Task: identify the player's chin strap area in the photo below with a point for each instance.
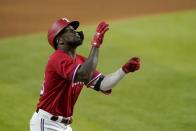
(45, 115)
(109, 81)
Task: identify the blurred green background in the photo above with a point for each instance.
(159, 97)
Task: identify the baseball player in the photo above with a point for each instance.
(67, 72)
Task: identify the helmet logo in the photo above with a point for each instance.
(65, 19)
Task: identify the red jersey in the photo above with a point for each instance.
(59, 91)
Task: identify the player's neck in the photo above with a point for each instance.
(70, 51)
(72, 54)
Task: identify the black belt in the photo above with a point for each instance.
(65, 121)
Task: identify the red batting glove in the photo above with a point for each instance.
(99, 35)
(132, 65)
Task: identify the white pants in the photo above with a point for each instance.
(38, 123)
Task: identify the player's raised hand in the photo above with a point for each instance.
(99, 35)
(132, 65)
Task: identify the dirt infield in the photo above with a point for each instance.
(19, 17)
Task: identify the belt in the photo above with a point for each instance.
(65, 121)
(61, 119)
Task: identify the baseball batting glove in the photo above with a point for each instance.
(99, 35)
(132, 65)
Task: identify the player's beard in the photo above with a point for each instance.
(76, 40)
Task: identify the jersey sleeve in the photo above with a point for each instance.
(96, 75)
(65, 67)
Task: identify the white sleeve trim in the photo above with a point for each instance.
(75, 74)
(93, 79)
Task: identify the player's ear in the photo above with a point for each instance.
(59, 40)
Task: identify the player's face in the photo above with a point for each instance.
(71, 36)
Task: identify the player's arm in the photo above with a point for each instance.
(106, 83)
(86, 69)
